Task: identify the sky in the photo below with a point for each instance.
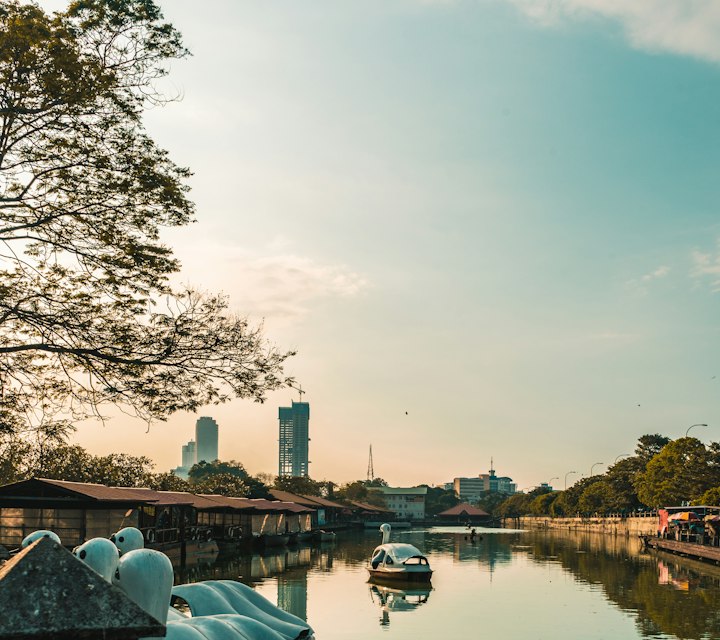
(488, 227)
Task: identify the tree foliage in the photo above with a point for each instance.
(217, 477)
(73, 463)
(683, 470)
(650, 445)
(299, 485)
(88, 316)
(438, 500)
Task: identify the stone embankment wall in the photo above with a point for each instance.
(611, 524)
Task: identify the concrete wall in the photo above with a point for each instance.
(610, 525)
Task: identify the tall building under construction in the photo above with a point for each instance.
(294, 440)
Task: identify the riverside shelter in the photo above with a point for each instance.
(76, 511)
(463, 513)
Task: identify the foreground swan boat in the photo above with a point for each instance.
(398, 561)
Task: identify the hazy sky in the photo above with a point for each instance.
(498, 216)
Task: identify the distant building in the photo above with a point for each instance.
(204, 447)
(294, 440)
(188, 455)
(206, 439)
(472, 489)
(406, 504)
(497, 484)
(468, 489)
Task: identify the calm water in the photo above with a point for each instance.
(509, 584)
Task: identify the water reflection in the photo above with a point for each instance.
(394, 599)
(605, 582)
(667, 594)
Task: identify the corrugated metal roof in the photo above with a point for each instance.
(325, 502)
(286, 496)
(294, 507)
(95, 491)
(242, 504)
(158, 498)
(369, 507)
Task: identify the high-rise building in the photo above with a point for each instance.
(206, 439)
(294, 440)
(204, 447)
(189, 455)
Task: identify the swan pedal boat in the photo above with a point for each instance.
(399, 562)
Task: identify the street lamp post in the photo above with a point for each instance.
(622, 455)
(566, 475)
(699, 424)
(593, 466)
(551, 479)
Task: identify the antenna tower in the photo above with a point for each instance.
(371, 471)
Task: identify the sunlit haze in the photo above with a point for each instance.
(489, 228)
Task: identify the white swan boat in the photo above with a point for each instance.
(398, 561)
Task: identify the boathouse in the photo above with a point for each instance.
(76, 511)
(325, 511)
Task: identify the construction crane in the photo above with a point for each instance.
(299, 389)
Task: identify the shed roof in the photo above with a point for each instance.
(369, 507)
(241, 504)
(49, 488)
(286, 496)
(464, 509)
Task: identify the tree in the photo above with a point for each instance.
(438, 500)
(359, 492)
(224, 484)
(542, 504)
(298, 485)
(621, 495)
(683, 470)
(490, 501)
(88, 317)
(710, 497)
(203, 469)
(567, 503)
(168, 482)
(516, 505)
(650, 445)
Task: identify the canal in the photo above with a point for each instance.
(532, 584)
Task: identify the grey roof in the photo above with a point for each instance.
(48, 594)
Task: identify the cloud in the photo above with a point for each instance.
(686, 27)
(660, 272)
(707, 266)
(272, 282)
(640, 284)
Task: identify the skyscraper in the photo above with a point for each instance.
(206, 439)
(188, 455)
(294, 439)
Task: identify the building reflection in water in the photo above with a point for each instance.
(292, 594)
(393, 599)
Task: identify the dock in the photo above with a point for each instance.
(704, 552)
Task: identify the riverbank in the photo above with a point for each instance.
(612, 525)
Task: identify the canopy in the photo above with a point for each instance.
(685, 516)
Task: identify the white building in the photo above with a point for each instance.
(406, 504)
(469, 489)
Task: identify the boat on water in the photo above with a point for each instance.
(398, 561)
